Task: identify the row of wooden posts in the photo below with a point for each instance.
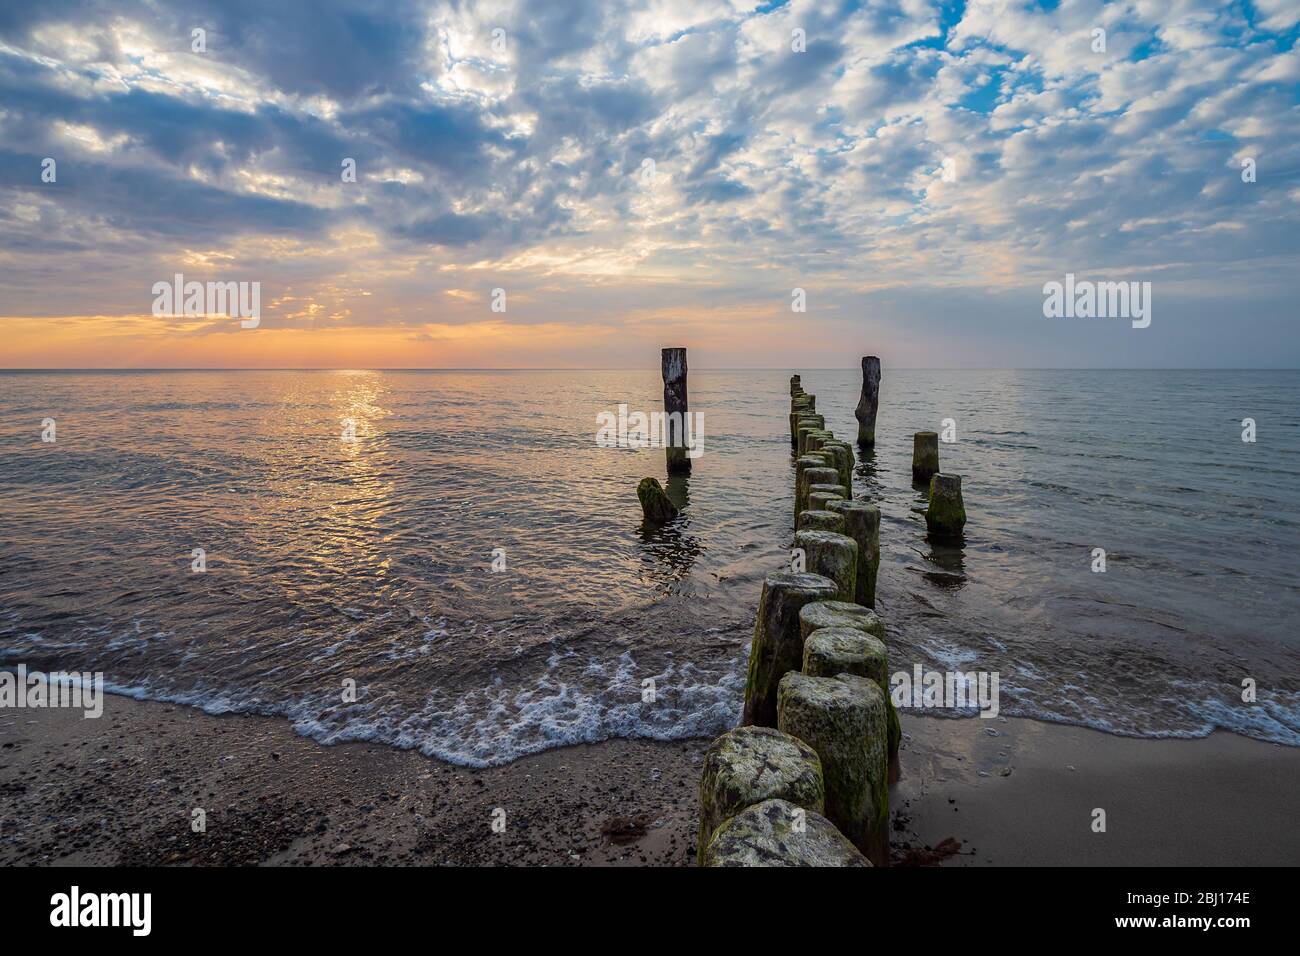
(805, 779)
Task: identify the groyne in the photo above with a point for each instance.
(804, 781)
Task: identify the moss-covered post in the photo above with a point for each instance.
(655, 503)
(819, 496)
(819, 521)
(675, 404)
(777, 646)
(828, 651)
(801, 405)
(816, 475)
(807, 425)
(766, 835)
(862, 524)
(869, 403)
(748, 765)
(844, 461)
(831, 555)
(839, 614)
(795, 386)
(844, 719)
(945, 516)
(802, 464)
(925, 455)
(795, 415)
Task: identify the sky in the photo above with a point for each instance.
(636, 175)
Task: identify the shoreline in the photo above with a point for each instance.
(121, 790)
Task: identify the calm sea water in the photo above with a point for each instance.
(369, 561)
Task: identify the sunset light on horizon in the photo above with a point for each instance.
(626, 175)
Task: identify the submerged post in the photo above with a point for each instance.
(869, 403)
(655, 503)
(945, 516)
(925, 455)
(674, 369)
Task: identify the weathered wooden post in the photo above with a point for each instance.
(819, 496)
(748, 765)
(674, 369)
(833, 556)
(925, 455)
(844, 719)
(778, 645)
(844, 461)
(819, 521)
(655, 503)
(839, 614)
(766, 835)
(807, 477)
(945, 516)
(869, 403)
(862, 524)
(808, 425)
(829, 651)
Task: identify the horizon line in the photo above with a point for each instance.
(640, 368)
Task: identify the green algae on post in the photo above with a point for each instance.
(814, 617)
(777, 645)
(862, 524)
(655, 504)
(945, 516)
(844, 719)
(777, 833)
(748, 765)
(831, 555)
(819, 475)
(819, 496)
(828, 651)
(819, 521)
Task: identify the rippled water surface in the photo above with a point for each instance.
(370, 560)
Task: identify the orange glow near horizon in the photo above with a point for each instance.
(741, 333)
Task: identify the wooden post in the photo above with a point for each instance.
(925, 455)
(844, 719)
(869, 403)
(945, 516)
(778, 646)
(674, 369)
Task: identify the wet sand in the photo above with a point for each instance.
(122, 790)
(1027, 796)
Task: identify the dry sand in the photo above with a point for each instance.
(122, 789)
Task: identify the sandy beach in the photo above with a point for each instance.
(122, 789)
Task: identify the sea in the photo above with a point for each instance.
(450, 561)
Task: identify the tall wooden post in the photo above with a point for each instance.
(869, 403)
(674, 369)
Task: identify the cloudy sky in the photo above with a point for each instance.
(650, 173)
